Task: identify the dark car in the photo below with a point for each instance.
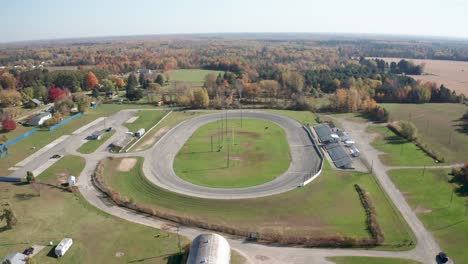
(109, 129)
(56, 156)
(28, 251)
(442, 257)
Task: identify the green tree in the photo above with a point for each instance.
(82, 102)
(141, 79)
(40, 92)
(29, 177)
(107, 86)
(159, 79)
(67, 79)
(408, 130)
(132, 81)
(27, 93)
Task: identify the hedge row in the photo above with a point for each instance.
(278, 239)
(372, 225)
(430, 152)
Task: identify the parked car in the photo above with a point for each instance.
(56, 156)
(28, 251)
(442, 257)
(109, 129)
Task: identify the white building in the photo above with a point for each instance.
(40, 119)
(15, 258)
(71, 181)
(140, 132)
(209, 249)
(63, 247)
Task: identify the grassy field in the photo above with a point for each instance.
(430, 194)
(24, 148)
(370, 260)
(439, 127)
(303, 117)
(146, 119)
(453, 74)
(253, 160)
(309, 211)
(92, 145)
(398, 150)
(194, 76)
(97, 236)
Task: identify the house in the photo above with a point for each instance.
(39, 119)
(144, 71)
(97, 135)
(15, 258)
(33, 103)
(63, 247)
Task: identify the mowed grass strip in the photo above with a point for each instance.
(146, 119)
(97, 236)
(303, 117)
(328, 206)
(196, 76)
(92, 145)
(371, 260)
(24, 148)
(430, 195)
(398, 150)
(258, 153)
(439, 126)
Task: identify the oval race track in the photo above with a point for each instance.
(158, 164)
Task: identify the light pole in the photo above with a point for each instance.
(228, 149)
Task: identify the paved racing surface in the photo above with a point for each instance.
(158, 165)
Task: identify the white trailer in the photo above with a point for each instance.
(63, 247)
(140, 132)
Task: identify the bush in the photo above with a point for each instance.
(372, 224)
(8, 124)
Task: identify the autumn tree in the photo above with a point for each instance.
(296, 82)
(54, 93)
(82, 102)
(8, 124)
(10, 97)
(90, 81)
(63, 104)
(200, 98)
(119, 83)
(9, 216)
(408, 130)
(270, 87)
(7, 81)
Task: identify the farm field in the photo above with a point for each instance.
(439, 126)
(370, 260)
(398, 151)
(23, 148)
(92, 145)
(146, 119)
(193, 76)
(253, 159)
(309, 211)
(453, 74)
(98, 237)
(430, 195)
(303, 117)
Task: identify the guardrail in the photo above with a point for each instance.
(313, 175)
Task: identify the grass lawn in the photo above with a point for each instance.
(162, 128)
(253, 158)
(57, 214)
(370, 260)
(146, 119)
(439, 127)
(92, 145)
(23, 148)
(398, 150)
(194, 76)
(310, 211)
(430, 194)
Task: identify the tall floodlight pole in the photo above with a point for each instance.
(241, 115)
(211, 143)
(222, 130)
(228, 149)
(226, 123)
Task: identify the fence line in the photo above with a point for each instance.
(16, 139)
(317, 149)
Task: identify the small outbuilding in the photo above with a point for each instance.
(33, 103)
(140, 132)
(209, 249)
(63, 247)
(15, 258)
(71, 181)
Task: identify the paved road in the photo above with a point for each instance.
(158, 165)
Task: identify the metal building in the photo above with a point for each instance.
(209, 249)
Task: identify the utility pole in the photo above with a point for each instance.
(178, 240)
(228, 149)
(372, 167)
(241, 116)
(226, 123)
(222, 131)
(211, 143)
(424, 170)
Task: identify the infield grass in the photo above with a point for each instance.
(327, 206)
(97, 236)
(146, 119)
(430, 195)
(92, 145)
(250, 155)
(194, 76)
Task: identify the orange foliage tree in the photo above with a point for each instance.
(90, 81)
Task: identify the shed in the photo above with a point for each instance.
(15, 258)
(71, 181)
(209, 249)
(39, 119)
(35, 103)
(63, 247)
